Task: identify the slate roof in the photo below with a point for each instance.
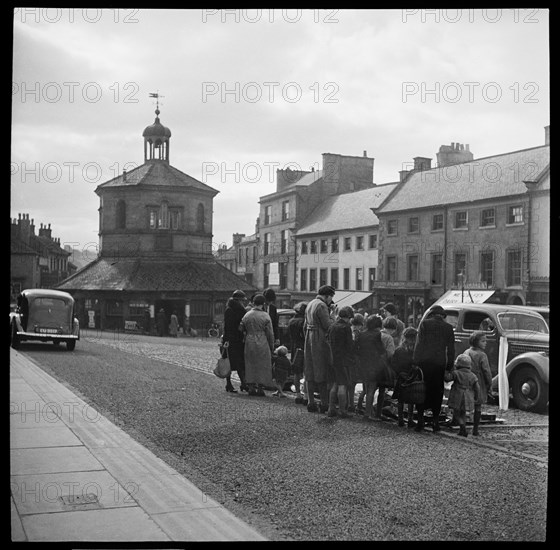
(136, 274)
(157, 173)
(346, 211)
(480, 179)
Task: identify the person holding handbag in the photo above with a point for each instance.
(232, 338)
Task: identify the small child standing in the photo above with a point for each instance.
(464, 391)
(401, 363)
(281, 367)
(481, 368)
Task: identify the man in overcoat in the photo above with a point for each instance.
(434, 353)
(318, 355)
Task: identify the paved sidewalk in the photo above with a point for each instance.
(75, 476)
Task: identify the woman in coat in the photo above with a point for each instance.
(232, 339)
(373, 356)
(297, 340)
(259, 345)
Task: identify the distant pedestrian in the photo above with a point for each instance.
(147, 319)
(259, 344)
(232, 338)
(390, 311)
(434, 353)
(297, 345)
(281, 368)
(161, 322)
(401, 363)
(465, 391)
(338, 375)
(480, 368)
(318, 355)
(173, 325)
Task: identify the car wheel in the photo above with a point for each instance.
(529, 391)
(15, 338)
(70, 345)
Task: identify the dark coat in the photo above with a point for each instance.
(370, 350)
(233, 314)
(465, 391)
(272, 310)
(435, 344)
(342, 343)
(297, 336)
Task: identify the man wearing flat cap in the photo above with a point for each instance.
(434, 353)
(318, 355)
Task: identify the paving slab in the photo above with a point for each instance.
(59, 436)
(52, 460)
(48, 493)
(109, 525)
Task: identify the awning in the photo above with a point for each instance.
(466, 296)
(346, 298)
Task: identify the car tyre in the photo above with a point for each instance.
(15, 340)
(71, 345)
(530, 392)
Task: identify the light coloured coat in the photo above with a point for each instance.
(259, 344)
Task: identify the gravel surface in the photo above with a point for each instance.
(297, 475)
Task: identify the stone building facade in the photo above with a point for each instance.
(155, 249)
(36, 260)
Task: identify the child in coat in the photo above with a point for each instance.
(401, 363)
(464, 391)
(281, 367)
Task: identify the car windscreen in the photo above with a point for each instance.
(521, 321)
(49, 312)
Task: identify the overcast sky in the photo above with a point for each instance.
(248, 91)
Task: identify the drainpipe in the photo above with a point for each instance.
(445, 249)
(528, 253)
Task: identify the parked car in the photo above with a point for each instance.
(284, 316)
(544, 311)
(527, 333)
(45, 315)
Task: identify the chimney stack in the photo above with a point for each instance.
(422, 163)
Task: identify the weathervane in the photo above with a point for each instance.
(157, 95)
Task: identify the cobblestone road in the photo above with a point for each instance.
(515, 431)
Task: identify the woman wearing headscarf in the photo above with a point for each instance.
(232, 339)
(259, 345)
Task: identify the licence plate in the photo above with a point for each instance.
(48, 330)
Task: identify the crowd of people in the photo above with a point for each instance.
(332, 350)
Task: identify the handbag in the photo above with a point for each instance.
(223, 366)
(413, 390)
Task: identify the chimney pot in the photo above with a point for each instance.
(365, 153)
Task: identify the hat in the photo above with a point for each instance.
(269, 294)
(326, 290)
(463, 360)
(390, 308)
(346, 312)
(239, 294)
(259, 299)
(437, 310)
(300, 307)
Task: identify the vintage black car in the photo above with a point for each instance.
(44, 315)
(527, 334)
